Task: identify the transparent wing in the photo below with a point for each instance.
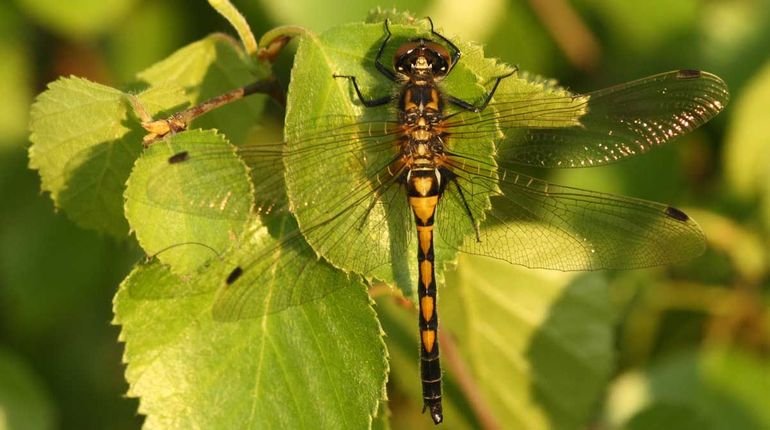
(363, 220)
(571, 130)
(343, 179)
(542, 225)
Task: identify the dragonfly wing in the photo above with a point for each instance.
(559, 129)
(344, 185)
(542, 225)
(272, 268)
(351, 213)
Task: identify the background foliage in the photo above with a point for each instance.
(687, 346)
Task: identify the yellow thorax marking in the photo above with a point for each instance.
(408, 104)
(433, 103)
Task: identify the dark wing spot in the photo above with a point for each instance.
(178, 157)
(234, 275)
(676, 214)
(688, 74)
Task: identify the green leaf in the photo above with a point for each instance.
(24, 402)
(78, 18)
(187, 212)
(236, 19)
(715, 390)
(540, 343)
(319, 365)
(83, 145)
(86, 136)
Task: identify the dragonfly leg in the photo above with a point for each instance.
(469, 106)
(466, 206)
(366, 102)
(455, 50)
(378, 61)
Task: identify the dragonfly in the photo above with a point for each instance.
(421, 173)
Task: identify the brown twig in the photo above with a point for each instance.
(181, 120)
(570, 33)
(462, 374)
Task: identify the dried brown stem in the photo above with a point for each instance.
(181, 120)
(570, 33)
(462, 374)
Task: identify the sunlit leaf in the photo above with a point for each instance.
(84, 142)
(540, 344)
(188, 212)
(318, 365)
(86, 136)
(747, 154)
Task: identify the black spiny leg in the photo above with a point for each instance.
(378, 61)
(451, 177)
(467, 106)
(455, 55)
(370, 102)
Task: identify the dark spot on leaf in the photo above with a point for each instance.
(234, 275)
(676, 214)
(178, 157)
(688, 74)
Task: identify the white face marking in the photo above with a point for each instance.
(421, 63)
(438, 178)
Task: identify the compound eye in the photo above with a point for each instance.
(403, 59)
(439, 59)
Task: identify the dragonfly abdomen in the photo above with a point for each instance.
(424, 190)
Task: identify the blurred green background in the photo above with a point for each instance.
(60, 363)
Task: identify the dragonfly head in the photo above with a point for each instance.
(422, 58)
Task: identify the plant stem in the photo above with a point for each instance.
(232, 15)
(181, 120)
(462, 374)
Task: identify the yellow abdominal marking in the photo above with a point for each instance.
(425, 273)
(428, 339)
(426, 304)
(422, 185)
(423, 207)
(424, 235)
